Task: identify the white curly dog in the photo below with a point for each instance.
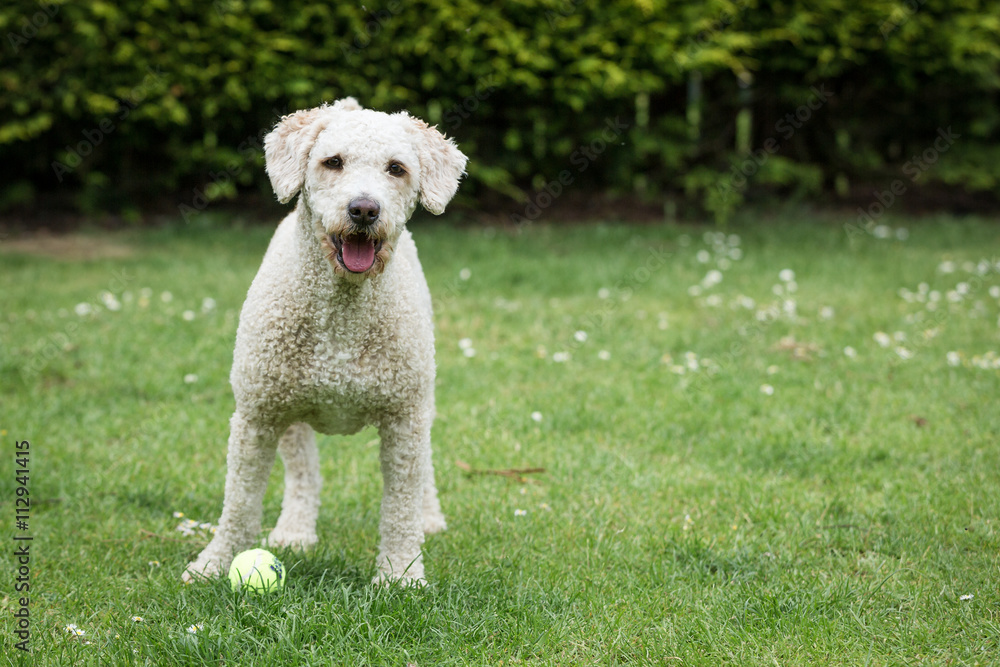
(336, 332)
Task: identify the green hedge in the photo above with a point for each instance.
(104, 104)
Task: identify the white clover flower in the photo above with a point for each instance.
(691, 360)
(826, 313)
(904, 353)
(954, 358)
(777, 290)
(207, 304)
(786, 275)
(713, 300)
(604, 355)
(767, 390)
(962, 288)
(166, 297)
(882, 339)
(469, 352)
(995, 291)
(110, 301)
(560, 357)
(850, 352)
(603, 293)
(146, 292)
(953, 296)
(946, 267)
(465, 274)
(882, 231)
(703, 256)
(711, 279)
(899, 336)
(465, 343)
(536, 416)
(83, 309)
(188, 315)
(735, 254)
(694, 290)
(792, 286)
(580, 336)
(190, 378)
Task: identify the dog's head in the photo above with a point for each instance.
(360, 174)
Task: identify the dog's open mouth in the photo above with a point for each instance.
(356, 252)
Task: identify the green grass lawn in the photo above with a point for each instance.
(768, 444)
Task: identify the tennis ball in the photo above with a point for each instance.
(258, 571)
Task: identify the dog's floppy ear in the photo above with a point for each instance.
(441, 167)
(286, 149)
(287, 146)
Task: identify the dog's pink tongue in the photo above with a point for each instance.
(358, 253)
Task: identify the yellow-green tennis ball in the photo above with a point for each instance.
(257, 571)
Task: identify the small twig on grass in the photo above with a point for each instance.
(512, 473)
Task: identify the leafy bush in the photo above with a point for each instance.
(106, 103)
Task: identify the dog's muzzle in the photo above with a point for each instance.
(357, 249)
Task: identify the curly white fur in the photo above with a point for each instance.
(327, 347)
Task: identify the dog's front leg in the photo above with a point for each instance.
(402, 457)
(252, 446)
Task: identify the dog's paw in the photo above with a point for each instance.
(202, 569)
(410, 574)
(299, 540)
(383, 580)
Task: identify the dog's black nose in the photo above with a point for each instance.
(363, 211)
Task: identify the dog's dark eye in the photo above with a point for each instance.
(334, 162)
(396, 169)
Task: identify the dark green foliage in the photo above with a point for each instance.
(661, 98)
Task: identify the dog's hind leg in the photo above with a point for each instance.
(296, 525)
